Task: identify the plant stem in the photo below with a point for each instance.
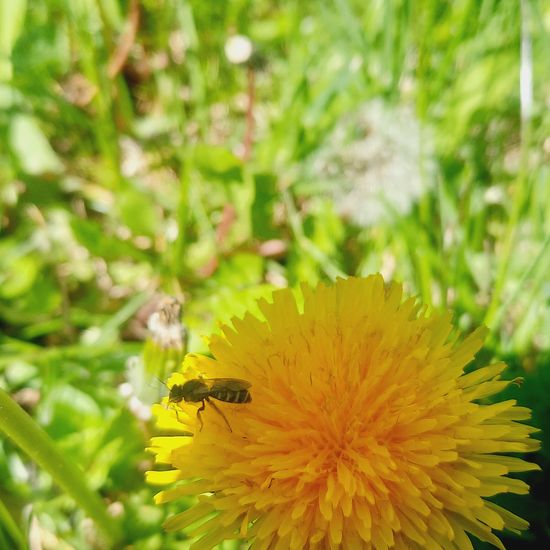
(331, 270)
(35, 442)
(11, 528)
(521, 190)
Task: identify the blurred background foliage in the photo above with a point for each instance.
(142, 155)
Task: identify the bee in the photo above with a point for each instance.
(228, 390)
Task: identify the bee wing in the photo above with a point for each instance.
(230, 384)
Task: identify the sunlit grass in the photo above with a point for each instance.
(137, 160)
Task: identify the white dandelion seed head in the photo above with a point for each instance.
(377, 162)
(238, 49)
(165, 325)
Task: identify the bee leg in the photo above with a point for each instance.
(199, 410)
(215, 407)
(174, 407)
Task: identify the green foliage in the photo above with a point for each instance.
(402, 137)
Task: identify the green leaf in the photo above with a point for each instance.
(265, 197)
(18, 277)
(6, 520)
(16, 424)
(100, 243)
(218, 162)
(12, 17)
(67, 410)
(139, 212)
(20, 372)
(240, 271)
(32, 148)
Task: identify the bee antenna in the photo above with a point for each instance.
(162, 382)
(150, 383)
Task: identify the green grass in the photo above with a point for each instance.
(115, 187)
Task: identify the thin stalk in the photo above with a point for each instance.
(11, 528)
(182, 213)
(92, 65)
(424, 272)
(250, 123)
(35, 442)
(41, 355)
(521, 191)
(426, 218)
(506, 251)
(331, 270)
(530, 274)
(444, 253)
(537, 275)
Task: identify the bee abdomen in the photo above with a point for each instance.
(240, 396)
(244, 397)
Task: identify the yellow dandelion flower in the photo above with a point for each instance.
(363, 430)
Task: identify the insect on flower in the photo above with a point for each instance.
(228, 390)
(418, 453)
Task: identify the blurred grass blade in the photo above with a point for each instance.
(34, 441)
(522, 189)
(533, 278)
(26, 135)
(11, 528)
(526, 64)
(332, 271)
(12, 16)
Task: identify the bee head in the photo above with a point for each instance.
(193, 390)
(176, 393)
